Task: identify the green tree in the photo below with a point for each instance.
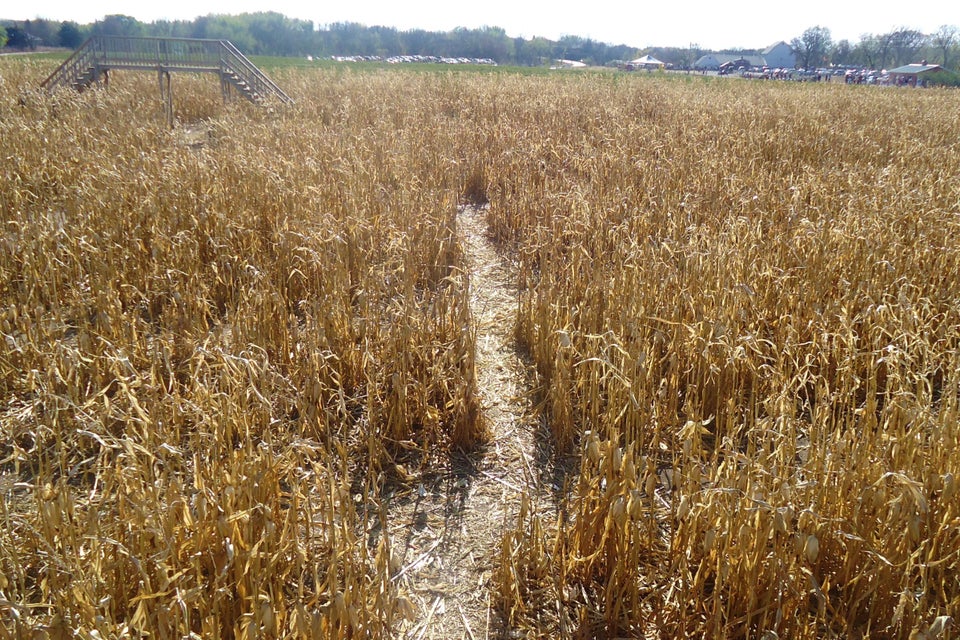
(418, 42)
(812, 47)
(3, 37)
(117, 25)
(276, 34)
(350, 39)
(46, 30)
(571, 48)
(494, 43)
(390, 43)
(842, 52)
(945, 40)
(69, 35)
(869, 52)
(684, 57)
(904, 45)
(222, 27)
(942, 78)
(170, 29)
(532, 52)
(19, 38)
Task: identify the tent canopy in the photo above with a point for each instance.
(646, 61)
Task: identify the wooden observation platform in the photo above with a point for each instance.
(99, 55)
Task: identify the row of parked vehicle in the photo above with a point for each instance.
(414, 59)
(848, 75)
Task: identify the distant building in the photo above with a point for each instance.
(714, 61)
(912, 74)
(777, 56)
(568, 64)
(780, 55)
(647, 62)
(708, 62)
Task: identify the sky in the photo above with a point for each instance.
(711, 24)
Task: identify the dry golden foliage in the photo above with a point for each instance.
(217, 342)
(741, 299)
(750, 292)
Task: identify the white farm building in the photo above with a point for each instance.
(713, 61)
(780, 56)
(777, 56)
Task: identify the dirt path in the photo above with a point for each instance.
(458, 520)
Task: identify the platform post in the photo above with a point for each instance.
(166, 94)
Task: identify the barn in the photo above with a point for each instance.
(714, 61)
(780, 55)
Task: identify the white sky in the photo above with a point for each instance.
(713, 24)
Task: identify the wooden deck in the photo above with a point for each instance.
(92, 62)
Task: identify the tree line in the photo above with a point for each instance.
(816, 48)
(271, 33)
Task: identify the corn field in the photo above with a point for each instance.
(225, 342)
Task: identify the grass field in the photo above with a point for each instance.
(226, 344)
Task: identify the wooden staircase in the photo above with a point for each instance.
(99, 55)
